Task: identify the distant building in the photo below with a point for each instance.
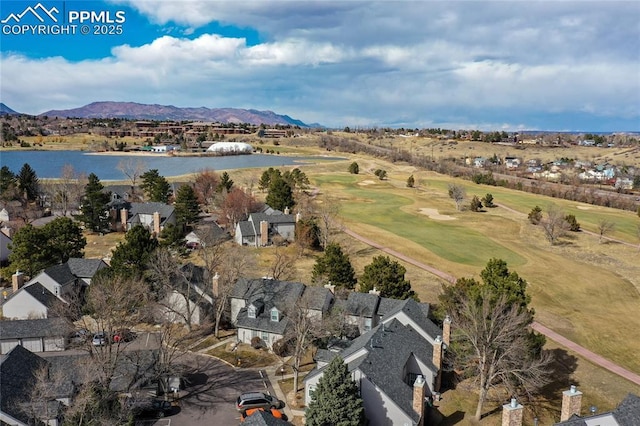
(230, 148)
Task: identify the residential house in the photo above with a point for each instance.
(261, 228)
(361, 310)
(191, 299)
(5, 241)
(396, 365)
(36, 335)
(68, 280)
(19, 370)
(153, 216)
(512, 162)
(30, 302)
(205, 233)
(259, 307)
(627, 413)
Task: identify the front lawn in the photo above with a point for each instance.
(245, 356)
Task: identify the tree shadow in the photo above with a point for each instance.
(561, 373)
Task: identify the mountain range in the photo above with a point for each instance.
(137, 111)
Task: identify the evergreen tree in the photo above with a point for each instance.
(65, 239)
(354, 168)
(488, 201)
(28, 182)
(411, 182)
(94, 207)
(267, 177)
(155, 187)
(308, 233)
(535, 215)
(130, 256)
(336, 401)
(29, 250)
(7, 179)
(186, 206)
(334, 266)
(386, 276)
(475, 205)
(296, 178)
(225, 183)
(280, 194)
(574, 225)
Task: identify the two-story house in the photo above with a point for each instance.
(260, 229)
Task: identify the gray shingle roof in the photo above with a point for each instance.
(627, 413)
(30, 328)
(246, 229)
(262, 322)
(418, 312)
(362, 304)
(317, 298)
(85, 268)
(61, 274)
(272, 218)
(41, 294)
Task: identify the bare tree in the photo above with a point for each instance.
(327, 210)
(283, 266)
(179, 288)
(66, 192)
(457, 193)
(40, 403)
(554, 225)
(604, 227)
(495, 345)
(132, 169)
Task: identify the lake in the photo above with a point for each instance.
(49, 164)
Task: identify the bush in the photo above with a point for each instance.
(257, 343)
(382, 174)
(488, 201)
(411, 182)
(281, 347)
(475, 204)
(535, 215)
(574, 226)
(354, 169)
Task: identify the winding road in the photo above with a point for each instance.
(580, 350)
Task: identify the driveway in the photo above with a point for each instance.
(210, 393)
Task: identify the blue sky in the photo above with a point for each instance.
(550, 65)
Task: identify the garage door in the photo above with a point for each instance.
(34, 345)
(7, 345)
(53, 344)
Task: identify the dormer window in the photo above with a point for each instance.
(275, 315)
(251, 311)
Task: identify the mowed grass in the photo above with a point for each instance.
(588, 292)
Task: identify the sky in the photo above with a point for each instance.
(503, 65)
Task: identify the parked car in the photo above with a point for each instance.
(257, 400)
(123, 335)
(276, 414)
(99, 339)
(79, 337)
(153, 408)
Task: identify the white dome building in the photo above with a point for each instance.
(227, 148)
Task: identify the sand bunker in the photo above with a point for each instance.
(433, 214)
(583, 208)
(367, 182)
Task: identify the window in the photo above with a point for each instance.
(251, 311)
(275, 315)
(367, 324)
(264, 336)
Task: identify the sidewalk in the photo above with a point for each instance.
(273, 378)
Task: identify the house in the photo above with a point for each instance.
(30, 302)
(397, 364)
(360, 310)
(260, 229)
(153, 216)
(36, 335)
(627, 413)
(259, 307)
(19, 369)
(68, 280)
(512, 162)
(191, 299)
(208, 233)
(5, 241)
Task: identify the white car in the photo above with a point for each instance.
(99, 339)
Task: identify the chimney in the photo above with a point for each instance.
(156, 223)
(298, 217)
(437, 361)
(286, 210)
(124, 217)
(17, 280)
(264, 232)
(446, 330)
(512, 413)
(418, 398)
(571, 403)
(215, 281)
(331, 287)
(374, 291)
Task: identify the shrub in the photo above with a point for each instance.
(411, 182)
(535, 215)
(476, 204)
(488, 201)
(257, 343)
(281, 347)
(354, 169)
(574, 226)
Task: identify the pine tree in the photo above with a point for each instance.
(94, 207)
(186, 206)
(155, 187)
(336, 400)
(411, 181)
(280, 194)
(28, 182)
(354, 168)
(386, 276)
(335, 267)
(225, 183)
(130, 256)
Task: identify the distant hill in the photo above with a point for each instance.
(136, 111)
(6, 110)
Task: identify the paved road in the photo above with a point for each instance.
(591, 356)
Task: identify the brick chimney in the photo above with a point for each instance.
(512, 413)
(571, 403)
(437, 361)
(331, 287)
(374, 291)
(286, 210)
(446, 330)
(17, 280)
(298, 217)
(156, 223)
(215, 281)
(264, 233)
(124, 217)
(418, 398)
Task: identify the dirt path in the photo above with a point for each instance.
(580, 350)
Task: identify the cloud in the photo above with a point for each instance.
(366, 63)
